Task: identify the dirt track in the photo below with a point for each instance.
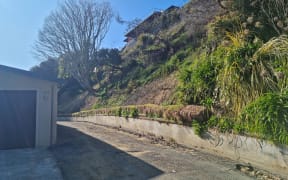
(89, 151)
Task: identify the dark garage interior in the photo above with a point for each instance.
(18, 119)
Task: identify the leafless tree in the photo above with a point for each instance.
(73, 33)
(130, 24)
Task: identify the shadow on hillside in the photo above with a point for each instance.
(80, 156)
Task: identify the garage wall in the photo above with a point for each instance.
(46, 105)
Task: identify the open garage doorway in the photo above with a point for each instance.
(17, 119)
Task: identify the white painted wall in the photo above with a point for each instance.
(46, 103)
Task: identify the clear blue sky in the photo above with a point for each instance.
(20, 21)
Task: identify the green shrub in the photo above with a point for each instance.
(198, 81)
(173, 64)
(247, 71)
(213, 121)
(134, 112)
(119, 112)
(208, 103)
(197, 128)
(267, 117)
(125, 113)
(218, 28)
(223, 124)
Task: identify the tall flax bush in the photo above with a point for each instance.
(275, 52)
(249, 70)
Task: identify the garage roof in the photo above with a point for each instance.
(25, 73)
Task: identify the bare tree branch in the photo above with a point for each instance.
(74, 32)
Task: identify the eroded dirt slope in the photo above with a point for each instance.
(156, 92)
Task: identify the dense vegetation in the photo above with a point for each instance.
(244, 78)
(236, 65)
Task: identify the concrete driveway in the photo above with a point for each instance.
(28, 164)
(88, 151)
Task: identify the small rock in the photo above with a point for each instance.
(252, 173)
(244, 168)
(173, 171)
(259, 173)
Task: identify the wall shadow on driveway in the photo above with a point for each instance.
(81, 156)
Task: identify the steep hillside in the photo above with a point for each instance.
(155, 51)
(233, 61)
(174, 29)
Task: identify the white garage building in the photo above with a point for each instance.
(28, 109)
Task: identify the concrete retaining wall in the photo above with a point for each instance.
(259, 153)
